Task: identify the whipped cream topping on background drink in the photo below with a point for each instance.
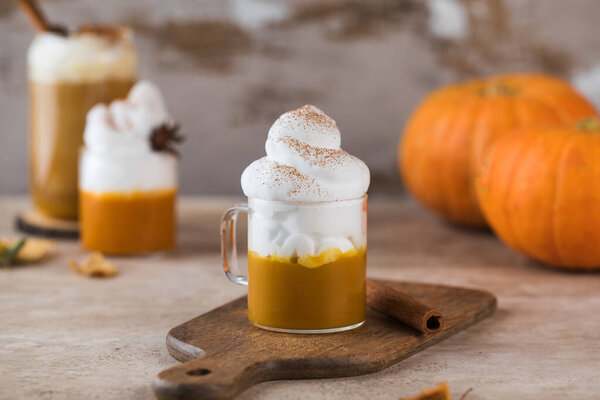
(119, 155)
(304, 163)
(68, 75)
(90, 55)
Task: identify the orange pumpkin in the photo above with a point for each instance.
(540, 191)
(450, 131)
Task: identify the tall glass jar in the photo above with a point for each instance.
(67, 76)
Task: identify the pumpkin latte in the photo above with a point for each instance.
(128, 175)
(306, 228)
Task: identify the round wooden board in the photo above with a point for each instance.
(34, 223)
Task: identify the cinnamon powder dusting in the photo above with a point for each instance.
(309, 117)
(110, 33)
(319, 156)
(299, 182)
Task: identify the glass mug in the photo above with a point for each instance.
(306, 263)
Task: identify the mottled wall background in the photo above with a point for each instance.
(229, 68)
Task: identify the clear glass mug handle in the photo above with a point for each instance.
(229, 246)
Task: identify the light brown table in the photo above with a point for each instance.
(63, 336)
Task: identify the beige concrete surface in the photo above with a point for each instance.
(63, 336)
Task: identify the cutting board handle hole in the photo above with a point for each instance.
(199, 372)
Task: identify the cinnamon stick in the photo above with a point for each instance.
(404, 308)
(38, 19)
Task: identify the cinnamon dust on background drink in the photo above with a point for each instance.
(68, 75)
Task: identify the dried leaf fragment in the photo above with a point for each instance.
(440, 392)
(95, 266)
(33, 250)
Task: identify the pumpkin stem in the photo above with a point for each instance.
(497, 89)
(590, 124)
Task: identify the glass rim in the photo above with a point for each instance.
(311, 203)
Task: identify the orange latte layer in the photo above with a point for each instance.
(57, 120)
(282, 293)
(128, 223)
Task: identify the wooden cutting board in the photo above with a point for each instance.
(225, 355)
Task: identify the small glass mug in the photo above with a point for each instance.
(306, 263)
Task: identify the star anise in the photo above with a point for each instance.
(165, 136)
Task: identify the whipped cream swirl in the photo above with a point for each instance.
(126, 125)
(118, 153)
(304, 162)
(82, 57)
